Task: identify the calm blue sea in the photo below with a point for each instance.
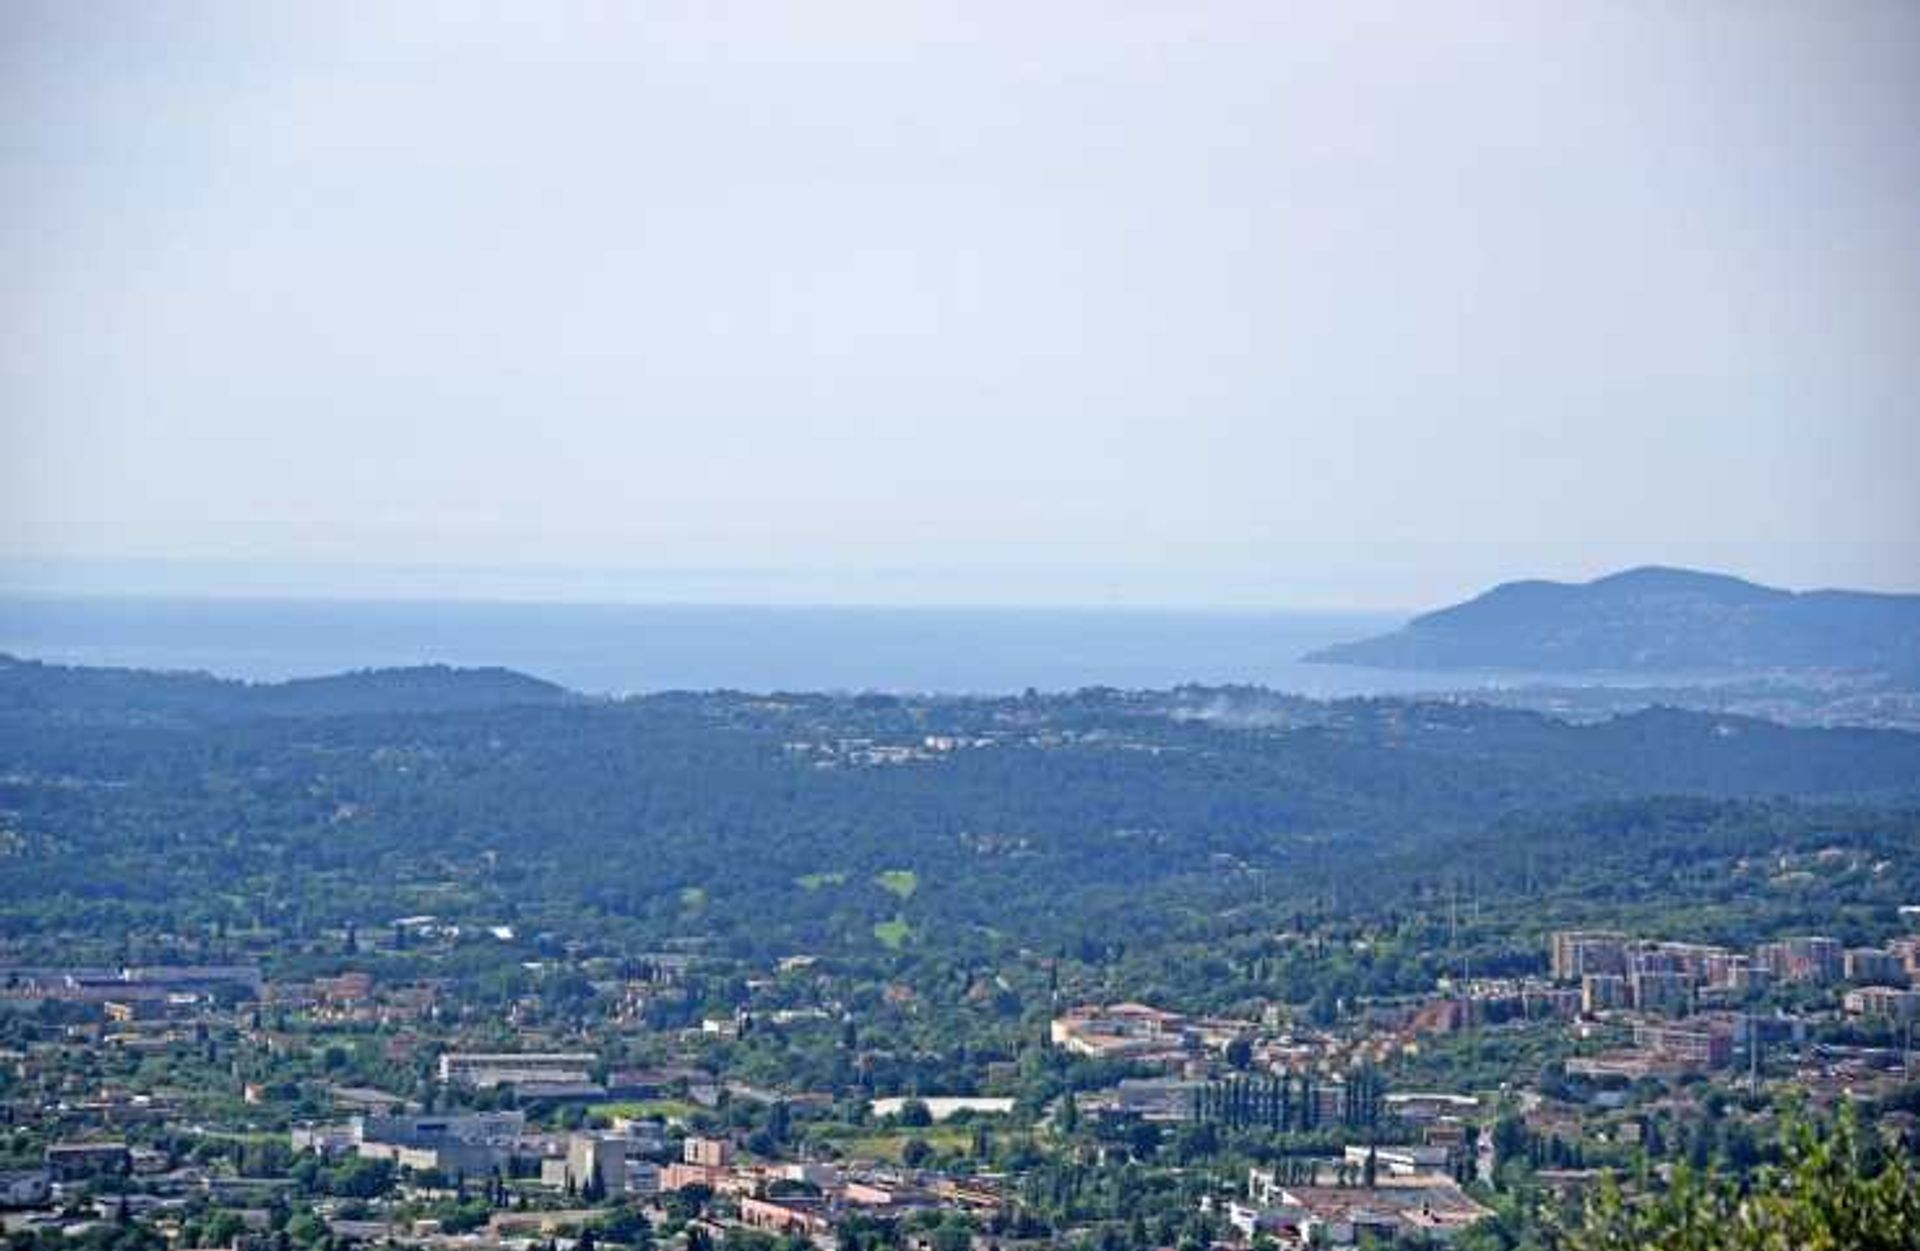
(628, 648)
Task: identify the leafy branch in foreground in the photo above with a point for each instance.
(1840, 1192)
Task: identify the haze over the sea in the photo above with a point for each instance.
(1356, 305)
(627, 648)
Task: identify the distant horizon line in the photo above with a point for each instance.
(1143, 608)
(880, 588)
(188, 580)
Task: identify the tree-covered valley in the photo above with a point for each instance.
(767, 822)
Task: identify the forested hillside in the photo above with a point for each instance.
(1657, 620)
(770, 822)
(31, 691)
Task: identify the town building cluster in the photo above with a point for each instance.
(554, 1124)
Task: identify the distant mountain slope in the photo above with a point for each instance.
(30, 687)
(1655, 620)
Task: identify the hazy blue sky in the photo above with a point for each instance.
(1334, 304)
